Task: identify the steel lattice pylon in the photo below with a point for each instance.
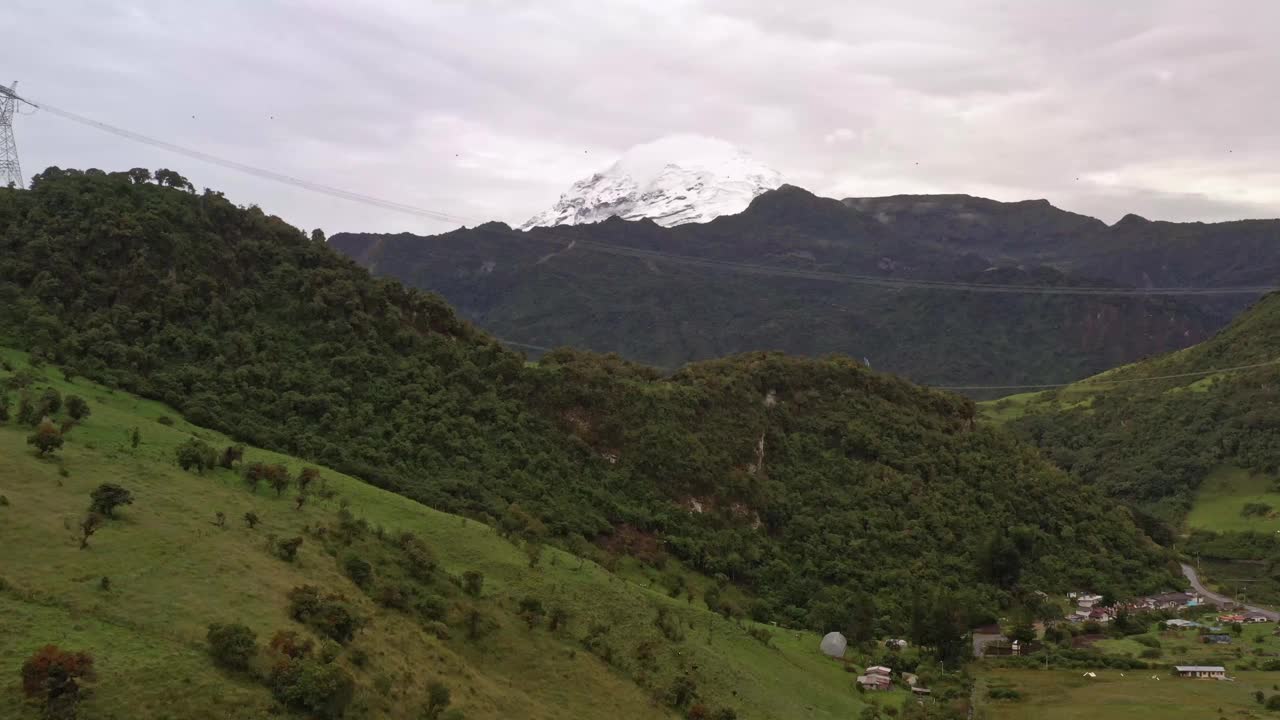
(10, 168)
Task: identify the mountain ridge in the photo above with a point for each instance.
(673, 180)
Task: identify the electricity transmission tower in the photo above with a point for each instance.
(10, 169)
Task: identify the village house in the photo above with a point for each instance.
(986, 636)
(1212, 639)
(1256, 617)
(1233, 618)
(875, 682)
(879, 670)
(1182, 624)
(1088, 600)
(1216, 672)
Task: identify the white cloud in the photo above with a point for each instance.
(493, 107)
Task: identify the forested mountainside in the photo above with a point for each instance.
(595, 286)
(824, 488)
(1153, 441)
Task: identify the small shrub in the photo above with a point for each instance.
(1003, 693)
(330, 614)
(439, 629)
(46, 438)
(473, 583)
(4, 501)
(104, 584)
(231, 455)
(165, 420)
(1273, 702)
(51, 675)
(232, 646)
(290, 644)
(359, 657)
(360, 571)
(287, 550)
(431, 607)
(437, 700)
(531, 611)
(313, 687)
(251, 519)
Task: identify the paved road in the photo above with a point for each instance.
(1191, 576)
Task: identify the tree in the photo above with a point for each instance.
(77, 408)
(140, 175)
(27, 413)
(279, 482)
(251, 519)
(52, 675)
(299, 501)
(307, 476)
(360, 571)
(317, 236)
(88, 526)
(196, 454)
(531, 611)
(50, 402)
(232, 646)
(231, 455)
(46, 438)
(135, 437)
(437, 700)
(169, 178)
(473, 583)
(4, 408)
(107, 497)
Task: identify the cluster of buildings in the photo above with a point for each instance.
(879, 677)
(1089, 607)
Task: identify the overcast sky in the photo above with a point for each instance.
(489, 109)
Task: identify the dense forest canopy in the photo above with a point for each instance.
(828, 490)
(1152, 442)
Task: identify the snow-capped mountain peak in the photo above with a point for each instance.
(674, 180)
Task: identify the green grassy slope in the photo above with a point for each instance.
(1152, 432)
(173, 571)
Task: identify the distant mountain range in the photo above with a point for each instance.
(555, 286)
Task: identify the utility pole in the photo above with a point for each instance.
(10, 168)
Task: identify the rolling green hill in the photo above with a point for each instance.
(172, 571)
(1154, 441)
(833, 495)
(599, 287)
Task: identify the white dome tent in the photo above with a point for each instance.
(833, 644)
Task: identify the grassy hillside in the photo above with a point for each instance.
(1151, 439)
(833, 495)
(1068, 695)
(173, 571)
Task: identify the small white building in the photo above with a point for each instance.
(1216, 672)
(1088, 600)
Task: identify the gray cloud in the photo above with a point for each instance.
(489, 109)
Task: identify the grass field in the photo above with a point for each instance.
(173, 571)
(1223, 495)
(1068, 695)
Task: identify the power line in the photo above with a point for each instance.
(1087, 381)
(10, 96)
(690, 260)
(250, 169)
(905, 283)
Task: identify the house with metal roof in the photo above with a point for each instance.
(1216, 672)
